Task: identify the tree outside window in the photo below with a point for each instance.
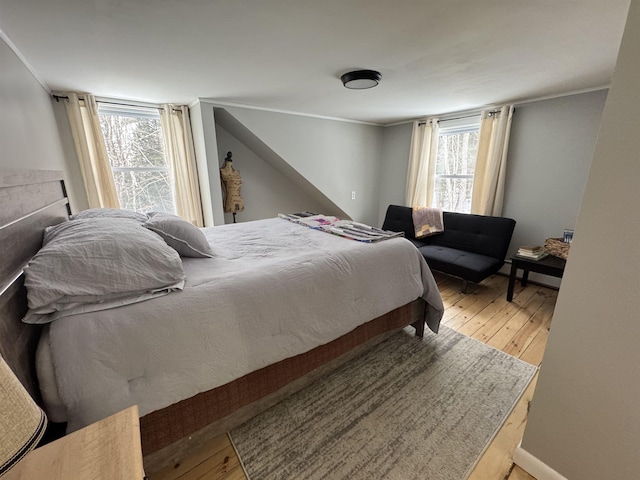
(455, 167)
(135, 148)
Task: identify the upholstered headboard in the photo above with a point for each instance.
(30, 200)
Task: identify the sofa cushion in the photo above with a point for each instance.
(484, 235)
(460, 263)
(417, 243)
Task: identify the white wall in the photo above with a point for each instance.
(29, 136)
(202, 120)
(265, 191)
(585, 419)
(335, 157)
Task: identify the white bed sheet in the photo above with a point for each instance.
(273, 290)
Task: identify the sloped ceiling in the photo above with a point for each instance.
(255, 144)
(434, 56)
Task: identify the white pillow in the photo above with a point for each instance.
(110, 213)
(95, 264)
(187, 239)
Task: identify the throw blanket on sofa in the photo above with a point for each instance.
(427, 221)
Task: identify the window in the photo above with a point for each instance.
(133, 137)
(455, 166)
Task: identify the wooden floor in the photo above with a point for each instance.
(519, 328)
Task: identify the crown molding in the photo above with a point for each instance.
(24, 61)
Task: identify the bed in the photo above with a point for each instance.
(332, 299)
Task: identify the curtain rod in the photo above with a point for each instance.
(446, 119)
(453, 118)
(65, 97)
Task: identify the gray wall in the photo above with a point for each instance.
(29, 136)
(393, 169)
(335, 157)
(265, 191)
(585, 421)
(550, 152)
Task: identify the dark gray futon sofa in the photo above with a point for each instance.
(471, 247)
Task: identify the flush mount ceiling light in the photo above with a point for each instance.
(361, 79)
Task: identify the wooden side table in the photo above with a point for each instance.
(550, 265)
(109, 449)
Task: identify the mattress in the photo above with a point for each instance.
(273, 290)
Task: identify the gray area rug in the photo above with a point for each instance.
(407, 409)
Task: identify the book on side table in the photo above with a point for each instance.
(532, 253)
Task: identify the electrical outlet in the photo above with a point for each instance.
(353, 195)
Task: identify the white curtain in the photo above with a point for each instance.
(82, 112)
(422, 161)
(491, 164)
(176, 129)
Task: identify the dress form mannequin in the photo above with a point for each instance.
(231, 183)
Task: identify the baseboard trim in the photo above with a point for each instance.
(534, 466)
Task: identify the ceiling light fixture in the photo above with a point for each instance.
(361, 79)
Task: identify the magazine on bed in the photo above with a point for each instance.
(343, 228)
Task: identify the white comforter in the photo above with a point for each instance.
(273, 290)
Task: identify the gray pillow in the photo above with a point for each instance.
(97, 263)
(187, 239)
(110, 213)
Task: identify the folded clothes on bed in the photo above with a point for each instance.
(343, 228)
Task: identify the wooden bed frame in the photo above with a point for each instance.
(34, 199)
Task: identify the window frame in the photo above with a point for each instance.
(144, 112)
